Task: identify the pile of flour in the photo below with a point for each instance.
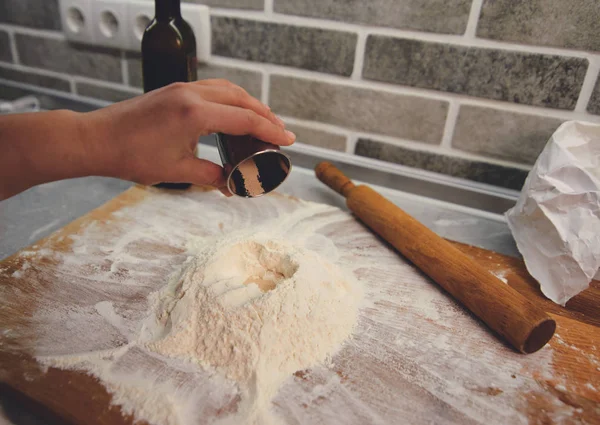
(243, 313)
(256, 310)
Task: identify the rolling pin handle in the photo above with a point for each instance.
(334, 178)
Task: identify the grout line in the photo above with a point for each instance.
(471, 30)
(124, 68)
(316, 125)
(351, 143)
(73, 85)
(268, 7)
(399, 33)
(107, 84)
(55, 35)
(589, 83)
(359, 55)
(87, 99)
(410, 144)
(39, 71)
(407, 91)
(451, 119)
(265, 87)
(13, 47)
(239, 63)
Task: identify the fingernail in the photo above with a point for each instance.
(290, 135)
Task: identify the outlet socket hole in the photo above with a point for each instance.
(75, 19)
(109, 24)
(141, 23)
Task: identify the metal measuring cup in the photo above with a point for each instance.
(253, 168)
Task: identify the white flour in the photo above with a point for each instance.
(250, 308)
(215, 314)
(414, 357)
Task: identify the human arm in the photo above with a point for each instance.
(148, 139)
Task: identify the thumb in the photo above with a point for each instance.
(201, 172)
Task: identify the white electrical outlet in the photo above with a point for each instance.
(77, 23)
(110, 21)
(139, 15)
(121, 23)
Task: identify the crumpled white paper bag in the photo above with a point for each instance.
(556, 221)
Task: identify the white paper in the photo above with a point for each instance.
(556, 221)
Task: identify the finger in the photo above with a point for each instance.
(225, 191)
(239, 121)
(237, 96)
(200, 172)
(215, 82)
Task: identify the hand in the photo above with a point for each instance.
(153, 138)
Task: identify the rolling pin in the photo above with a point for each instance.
(524, 325)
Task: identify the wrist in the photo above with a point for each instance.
(93, 133)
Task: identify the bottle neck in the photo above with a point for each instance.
(166, 10)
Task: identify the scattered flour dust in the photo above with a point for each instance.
(501, 274)
(244, 312)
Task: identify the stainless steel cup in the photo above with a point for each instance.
(253, 167)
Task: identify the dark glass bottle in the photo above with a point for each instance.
(168, 53)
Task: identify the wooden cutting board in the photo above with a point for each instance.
(417, 357)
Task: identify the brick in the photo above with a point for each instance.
(60, 56)
(373, 111)
(5, 52)
(594, 103)
(542, 80)
(35, 79)
(235, 4)
(43, 14)
(109, 94)
(134, 69)
(482, 172)
(561, 23)
(251, 81)
(500, 134)
(301, 47)
(314, 137)
(441, 16)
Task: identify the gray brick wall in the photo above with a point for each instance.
(467, 89)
